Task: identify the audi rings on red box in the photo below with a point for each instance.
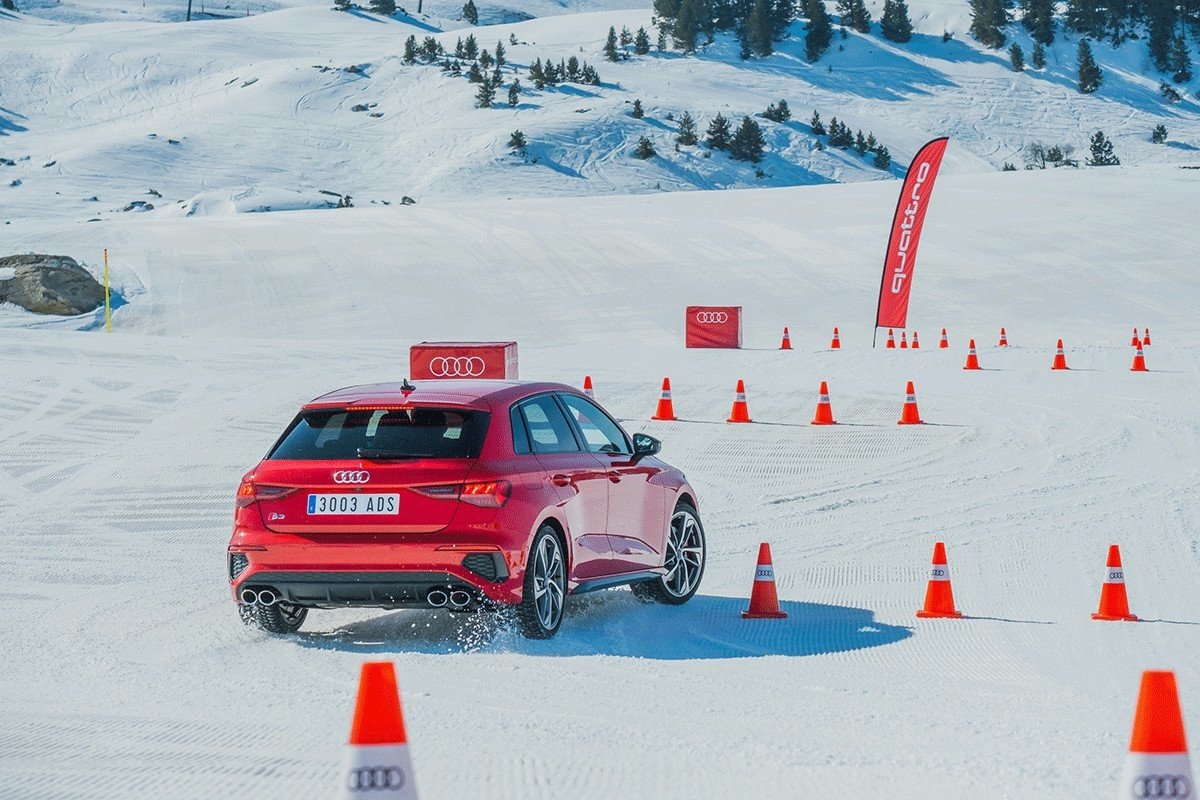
(449, 360)
(714, 326)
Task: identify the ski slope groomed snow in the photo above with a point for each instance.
(127, 674)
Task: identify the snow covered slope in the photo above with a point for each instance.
(96, 116)
(128, 675)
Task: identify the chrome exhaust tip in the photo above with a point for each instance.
(249, 596)
(459, 599)
(437, 598)
(267, 597)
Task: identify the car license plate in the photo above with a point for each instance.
(353, 504)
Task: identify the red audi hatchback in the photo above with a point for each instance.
(463, 495)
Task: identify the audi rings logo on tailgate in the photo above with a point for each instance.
(366, 779)
(351, 476)
(1176, 786)
(459, 367)
(712, 317)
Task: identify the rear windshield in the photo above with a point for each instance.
(383, 433)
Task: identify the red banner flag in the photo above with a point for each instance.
(901, 254)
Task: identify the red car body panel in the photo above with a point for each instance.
(613, 509)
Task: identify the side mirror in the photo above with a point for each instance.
(644, 445)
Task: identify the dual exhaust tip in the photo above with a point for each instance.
(455, 598)
(262, 597)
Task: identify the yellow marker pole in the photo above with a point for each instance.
(107, 303)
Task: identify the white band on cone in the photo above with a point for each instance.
(1159, 775)
(939, 572)
(764, 572)
(1114, 575)
(378, 772)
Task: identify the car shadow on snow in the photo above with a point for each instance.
(614, 623)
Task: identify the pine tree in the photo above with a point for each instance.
(517, 140)
(641, 42)
(485, 59)
(486, 94)
(471, 47)
(501, 55)
(497, 78)
(687, 26)
(987, 19)
(719, 135)
(1102, 152)
(1038, 19)
(573, 69)
(1038, 59)
(872, 144)
(645, 149)
(637, 112)
(757, 29)
(748, 143)
(820, 30)
(474, 75)
(1090, 76)
(626, 37)
(589, 75)
(460, 50)
(883, 159)
(410, 50)
(514, 93)
(1160, 24)
(384, 7)
(860, 143)
(1017, 56)
(687, 130)
(470, 13)
(1086, 16)
(537, 74)
(784, 113)
(666, 10)
(895, 24)
(725, 14)
(1159, 134)
(431, 49)
(610, 45)
(1181, 60)
(338, 5)
(855, 15)
(818, 127)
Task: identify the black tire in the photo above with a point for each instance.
(684, 560)
(277, 618)
(544, 596)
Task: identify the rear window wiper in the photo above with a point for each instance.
(390, 455)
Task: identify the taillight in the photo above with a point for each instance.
(251, 492)
(490, 494)
(486, 494)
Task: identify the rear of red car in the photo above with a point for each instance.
(385, 496)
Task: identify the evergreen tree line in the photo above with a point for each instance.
(572, 70)
(841, 137)
(1100, 152)
(616, 47)
(758, 23)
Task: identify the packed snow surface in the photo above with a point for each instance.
(127, 673)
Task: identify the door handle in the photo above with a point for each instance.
(614, 476)
(560, 480)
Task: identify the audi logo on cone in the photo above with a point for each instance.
(712, 317)
(351, 476)
(457, 367)
(366, 779)
(1172, 786)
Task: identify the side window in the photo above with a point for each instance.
(548, 428)
(520, 437)
(600, 433)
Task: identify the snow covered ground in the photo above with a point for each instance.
(96, 116)
(128, 675)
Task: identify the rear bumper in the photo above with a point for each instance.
(337, 570)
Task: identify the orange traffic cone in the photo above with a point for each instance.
(836, 343)
(1114, 603)
(903, 340)
(764, 602)
(1060, 360)
(1139, 360)
(787, 340)
(1146, 338)
(1157, 764)
(666, 408)
(377, 761)
(944, 343)
(916, 343)
(824, 415)
(972, 358)
(910, 415)
(891, 342)
(740, 412)
(939, 597)
(1003, 338)
(1135, 341)
(587, 386)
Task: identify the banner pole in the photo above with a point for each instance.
(107, 300)
(874, 336)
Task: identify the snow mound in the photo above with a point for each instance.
(253, 200)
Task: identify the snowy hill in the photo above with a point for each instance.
(205, 112)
